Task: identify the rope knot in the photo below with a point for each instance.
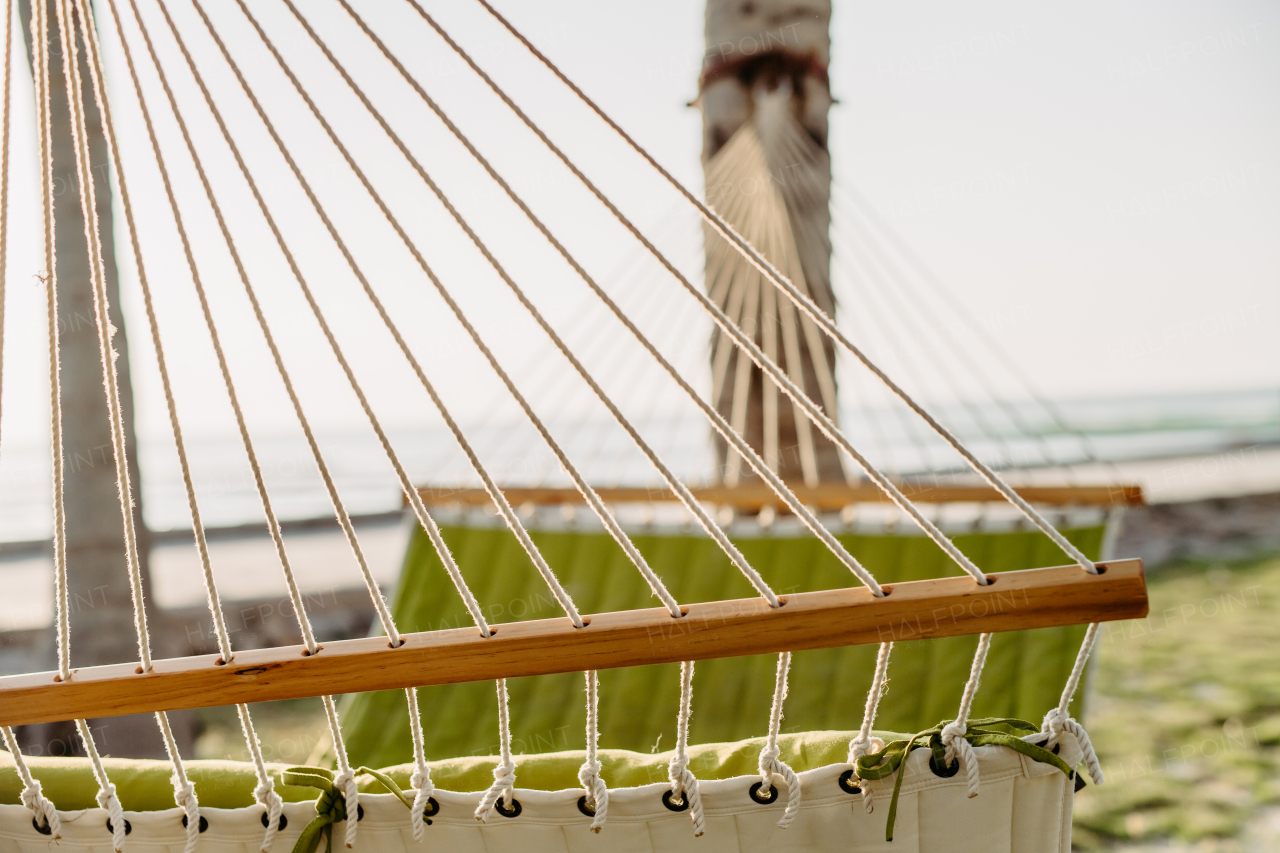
(1057, 723)
(771, 766)
(858, 748)
(504, 781)
(184, 793)
(346, 782)
(421, 782)
(959, 749)
(109, 803)
(266, 796)
(597, 793)
(41, 808)
(684, 785)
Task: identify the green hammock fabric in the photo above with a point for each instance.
(143, 785)
(1023, 677)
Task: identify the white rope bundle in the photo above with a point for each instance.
(32, 798)
(865, 743)
(264, 792)
(596, 792)
(684, 785)
(70, 60)
(799, 299)
(770, 764)
(743, 340)
(728, 432)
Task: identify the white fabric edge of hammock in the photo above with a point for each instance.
(386, 814)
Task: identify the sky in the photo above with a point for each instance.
(1095, 182)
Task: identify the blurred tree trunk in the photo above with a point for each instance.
(101, 605)
(765, 77)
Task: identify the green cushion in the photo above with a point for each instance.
(1023, 678)
(144, 785)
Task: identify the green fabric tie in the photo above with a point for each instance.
(881, 765)
(331, 806)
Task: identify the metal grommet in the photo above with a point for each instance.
(284, 821)
(944, 772)
(1043, 743)
(674, 806)
(764, 801)
(432, 809)
(512, 810)
(584, 808)
(204, 824)
(359, 812)
(43, 830)
(128, 827)
(846, 783)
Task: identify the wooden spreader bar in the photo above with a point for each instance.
(914, 610)
(827, 497)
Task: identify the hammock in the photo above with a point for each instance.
(805, 792)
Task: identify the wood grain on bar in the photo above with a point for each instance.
(810, 620)
(828, 497)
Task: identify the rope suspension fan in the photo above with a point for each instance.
(915, 789)
(767, 175)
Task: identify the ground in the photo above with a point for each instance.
(1184, 711)
(1185, 716)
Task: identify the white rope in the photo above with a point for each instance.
(41, 808)
(265, 792)
(717, 421)
(424, 518)
(4, 180)
(865, 743)
(504, 774)
(106, 791)
(597, 793)
(107, 799)
(495, 493)
(184, 793)
(106, 349)
(40, 39)
(1003, 356)
(770, 764)
(345, 780)
(92, 44)
(808, 307)
(1059, 720)
(744, 341)
(684, 785)
(953, 734)
(340, 510)
(421, 778)
(273, 523)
